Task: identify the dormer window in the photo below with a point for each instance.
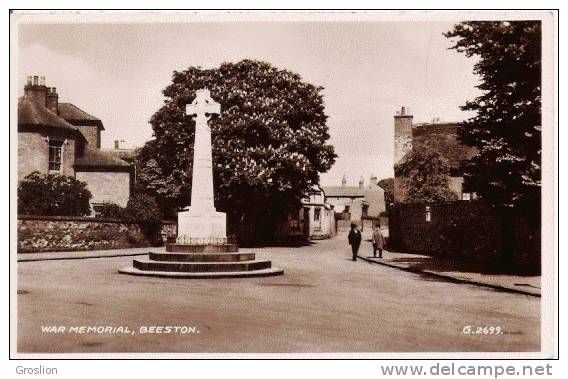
(55, 155)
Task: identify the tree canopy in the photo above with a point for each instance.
(507, 126)
(424, 177)
(269, 142)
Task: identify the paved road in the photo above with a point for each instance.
(323, 303)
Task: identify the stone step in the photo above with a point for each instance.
(203, 275)
(202, 257)
(221, 248)
(150, 265)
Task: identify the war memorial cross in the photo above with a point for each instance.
(202, 107)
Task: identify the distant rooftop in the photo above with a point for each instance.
(339, 191)
(97, 158)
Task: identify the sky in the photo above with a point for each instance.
(116, 71)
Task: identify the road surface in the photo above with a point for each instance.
(323, 303)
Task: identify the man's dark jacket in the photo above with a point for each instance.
(354, 237)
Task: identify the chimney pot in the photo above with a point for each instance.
(373, 179)
(52, 100)
(36, 91)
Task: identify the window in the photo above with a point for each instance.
(428, 214)
(466, 196)
(97, 209)
(364, 210)
(317, 214)
(55, 155)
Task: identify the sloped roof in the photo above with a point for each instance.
(73, 113)
(127, 154)
(30, 113)
(340, 191)
(443, 139)
(97, 158)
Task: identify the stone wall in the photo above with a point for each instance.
(53, 233)
(467, 230)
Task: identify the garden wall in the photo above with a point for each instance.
(467, 230)
(60, 233)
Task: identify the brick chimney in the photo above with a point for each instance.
(373, 181)
(35, 90)
(402, 133)
(52, 100)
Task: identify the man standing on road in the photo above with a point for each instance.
(354, 238)
(378, 241)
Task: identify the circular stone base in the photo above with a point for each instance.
(209, 248)
(273, 271)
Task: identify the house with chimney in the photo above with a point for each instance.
(354, 203)
(318, 213)
(470, 231)
(437, 136)
(61, 138)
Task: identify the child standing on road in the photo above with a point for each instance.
(378, 241)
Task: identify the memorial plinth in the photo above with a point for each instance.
(202, 249)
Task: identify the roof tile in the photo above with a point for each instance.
(72, 112)
(343, 191)
(97, 158)
(30, 113)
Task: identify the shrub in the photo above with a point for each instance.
(110, 210)
(143, 210)
(53, 195)
(425, 175)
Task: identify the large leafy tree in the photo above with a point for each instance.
(269, 142)
(506, 129)
(424, 177)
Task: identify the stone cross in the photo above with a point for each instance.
(202, 107)
(201, 221)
